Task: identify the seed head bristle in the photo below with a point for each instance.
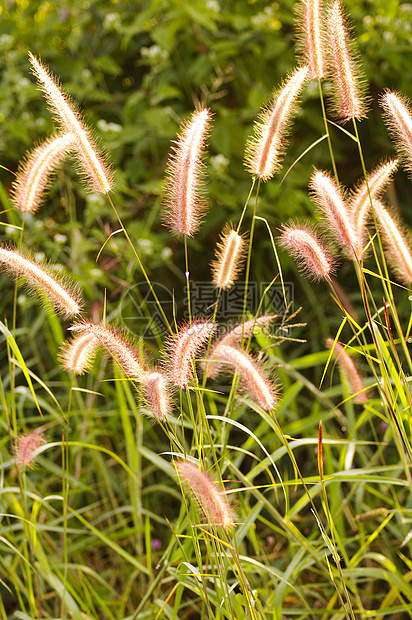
(183, 349)
(97, 171)
(78, 354)
(330, 199)
(251, 375)
(348, 366)
(398, 116)
(182, 198)
(24, 450)
(396, 243)
(265, 149)
(360, 200)
(62, 295)
(157, 394)
(312, 258)
(116, 344)
(311, 37)
(229, 259)
(211, 500)
(235, 336)
(349, 100)
(33, 176)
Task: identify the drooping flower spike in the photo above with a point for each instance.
(210, 498)
(93, 164)
(117, 345)
(348, 366)
(33, 176)
(312, 258)
(398, 116)
(60, 293)
(251, 375)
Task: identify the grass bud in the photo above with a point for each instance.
(304, 247)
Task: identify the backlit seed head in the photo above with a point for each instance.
(266, 147)
(39, 279)
(183, 192)
(33, 176)
(348, 366)
(183, 349)
(311, 256)
(229, 259)
(93, 164)
(398, 116)
(25, 448)
(311, 37)
(209, 497)
(348, 93)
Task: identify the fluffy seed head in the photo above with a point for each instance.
(78, 354)
(347, 365)
(265, 149)
(349, 102)
(182, 198)
(302, 244)
(26, 445)
(183, 349)
(62, 296)
(33, 176)
(330, 200)
(396, 243)
(251, 375)
(360, 201)
(118, 347)
(157, 394)
(235, 336)
(311, 37)
(211, 500)
(398, 116)
(229, 259)
(94, 166)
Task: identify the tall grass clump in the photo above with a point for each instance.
(244, 457)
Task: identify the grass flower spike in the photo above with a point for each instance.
(347, 365)
(33, 177)
(330, 200)
(348, 92)
(311, 37)
(396, 244)
(211, 500)
(78, 354)
(26, 445)
(304, 247)
(264, 150)
(251, 375)
(61, 295)
(182, 196)
(399, 118)
(360, 201)
(118, 347)
(183, 349)
(229, 259)
(96, 170)
(157, 394)
(235, 336)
